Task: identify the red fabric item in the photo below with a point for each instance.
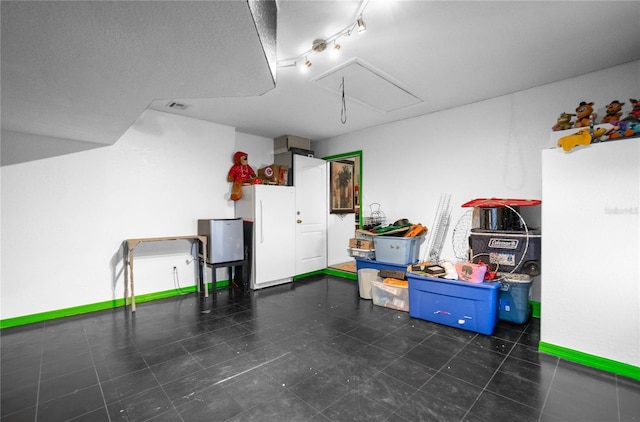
(240, 171)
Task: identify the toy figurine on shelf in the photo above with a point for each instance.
(241, 174)
(564, 122)
(614, 112)
(634, 114)
(582, 137)
(585, 114)
(624, 129)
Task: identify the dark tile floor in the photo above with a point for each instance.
(307, 351)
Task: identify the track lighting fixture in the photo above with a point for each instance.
(319, 45)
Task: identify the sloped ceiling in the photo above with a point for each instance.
(84, 70)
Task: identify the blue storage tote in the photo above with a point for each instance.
(397, 250)
(515, 295)
(460, 304)
(369, 263)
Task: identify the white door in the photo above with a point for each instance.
(310, 181)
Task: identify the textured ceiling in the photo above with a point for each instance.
(84, 70)
(446, 53)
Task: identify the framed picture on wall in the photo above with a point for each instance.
(342, 194)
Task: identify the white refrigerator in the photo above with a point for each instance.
(270, 212)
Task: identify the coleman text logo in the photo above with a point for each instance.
(503, 243)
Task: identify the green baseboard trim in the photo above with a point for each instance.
(100, 306)
(118, 303)
(299, 276)
(535, 309)
(592, 361)
(339, 273)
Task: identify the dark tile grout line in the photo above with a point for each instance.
(95, 370)
(99, 381)
(431, 377)
(618, 397)
(453, 357)
(546, 397)
(40, 373)
(173, 406)
(400, 356)
(515, 343)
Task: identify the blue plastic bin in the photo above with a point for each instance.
(460, 304)
(514, 300)
(397, 250)
(378, 265)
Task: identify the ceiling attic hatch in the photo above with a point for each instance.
(366, 85)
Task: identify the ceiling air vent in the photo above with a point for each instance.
(176, 105)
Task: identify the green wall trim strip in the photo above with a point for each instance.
(535, 311)
(339, 273)
(299, 276)
(100, 306)
(592, 361)
(116, 303)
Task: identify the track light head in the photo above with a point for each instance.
(362, 27)
(303, 66)
(335, 50)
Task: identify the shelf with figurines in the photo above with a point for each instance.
(583, 127)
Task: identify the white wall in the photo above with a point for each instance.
(64, 218)
(340, 228)
(487, 149)
(259, 148)
(591, 299)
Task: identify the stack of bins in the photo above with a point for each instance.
(392, 253)
(504, 240)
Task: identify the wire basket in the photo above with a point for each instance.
(376, 217)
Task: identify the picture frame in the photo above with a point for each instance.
(342, 200)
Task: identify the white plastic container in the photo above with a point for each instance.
(365, 277)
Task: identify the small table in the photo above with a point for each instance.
(128, 272)
(232, 268)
